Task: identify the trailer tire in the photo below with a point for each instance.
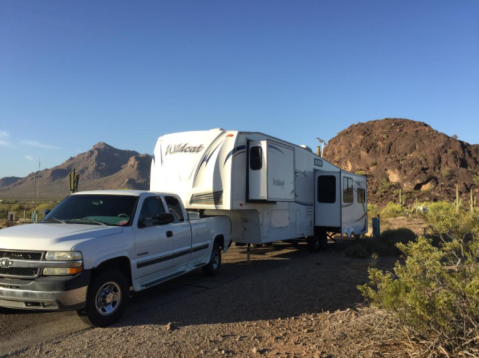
(313, 243)
(213, 267)
(318, 242)
(114, 287)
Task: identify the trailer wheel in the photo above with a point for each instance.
(214, 265)
(313, 243)
(258, 245)
(107, 299)
(318, 242)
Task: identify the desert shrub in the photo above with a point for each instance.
(475, 179)
(393, 210)
(385, 245)
(361, 172)
(435, 291)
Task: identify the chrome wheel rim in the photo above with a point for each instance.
(108, 298)
(215, 259)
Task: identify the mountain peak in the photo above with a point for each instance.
(404, 154)
(102, 145)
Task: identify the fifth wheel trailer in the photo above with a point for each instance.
(271, 189)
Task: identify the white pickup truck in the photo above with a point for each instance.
(89, 251)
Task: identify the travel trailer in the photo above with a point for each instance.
(271, 189)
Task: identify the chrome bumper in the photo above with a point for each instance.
(43, 300)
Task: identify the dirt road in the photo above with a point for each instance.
(282, 283)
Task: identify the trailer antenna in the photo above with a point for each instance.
(320, 147)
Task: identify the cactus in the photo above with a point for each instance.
(458, 201)
(402, 200)
(73, 180)
(472, 202)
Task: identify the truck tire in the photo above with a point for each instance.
(107, 299)
(214, 265)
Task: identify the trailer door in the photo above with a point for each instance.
(257, 170)
(327, 207)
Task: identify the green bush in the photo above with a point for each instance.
(373, 210)
(435, 292)
(393, 210)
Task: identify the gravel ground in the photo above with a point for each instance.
(289, 303)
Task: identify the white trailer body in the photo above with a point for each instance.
(271, 189)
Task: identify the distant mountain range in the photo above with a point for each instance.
(102, 167)
(393, 153)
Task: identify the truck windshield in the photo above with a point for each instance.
(113, 210)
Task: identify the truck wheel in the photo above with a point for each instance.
(107, 298)
(214, 265)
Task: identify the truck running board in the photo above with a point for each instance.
(152, 283)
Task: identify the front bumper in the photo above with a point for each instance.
(45, 293)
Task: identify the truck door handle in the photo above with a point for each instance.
(169, 233)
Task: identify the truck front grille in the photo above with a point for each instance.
(21, 255)
(19, 272)
(22, 272)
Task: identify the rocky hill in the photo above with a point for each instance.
(404, 154)
(102, 167)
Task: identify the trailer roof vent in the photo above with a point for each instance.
(216, 129)
(306, 147)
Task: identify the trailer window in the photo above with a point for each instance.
(174, 207)
(361, 196)
(326, 189)
(318, 162)
(348, 196)
(256, 158)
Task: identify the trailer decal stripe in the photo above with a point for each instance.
(234, 151)
(275, 148)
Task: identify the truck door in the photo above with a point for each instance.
(181, 231)
(257, 170)
(327, 203)
(153, 242)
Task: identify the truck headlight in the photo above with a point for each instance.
(63, 256)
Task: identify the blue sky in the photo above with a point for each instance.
(73, 73)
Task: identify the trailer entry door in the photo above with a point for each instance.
(257, 170)
(327, 207)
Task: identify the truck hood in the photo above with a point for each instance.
(52, 237)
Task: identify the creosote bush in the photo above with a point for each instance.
(393, 210)
(435, 291)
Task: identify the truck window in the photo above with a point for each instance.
(348, 193)
(152, 207)
(88, 209)
(327, 189)
(174, 207)
(256, 158)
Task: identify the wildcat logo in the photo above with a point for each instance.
(277, 182)
(183, 148)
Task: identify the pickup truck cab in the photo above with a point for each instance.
(94, 246)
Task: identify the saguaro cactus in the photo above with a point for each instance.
(73, 180)
(472, 202)
(458, 201)
(402, 200)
